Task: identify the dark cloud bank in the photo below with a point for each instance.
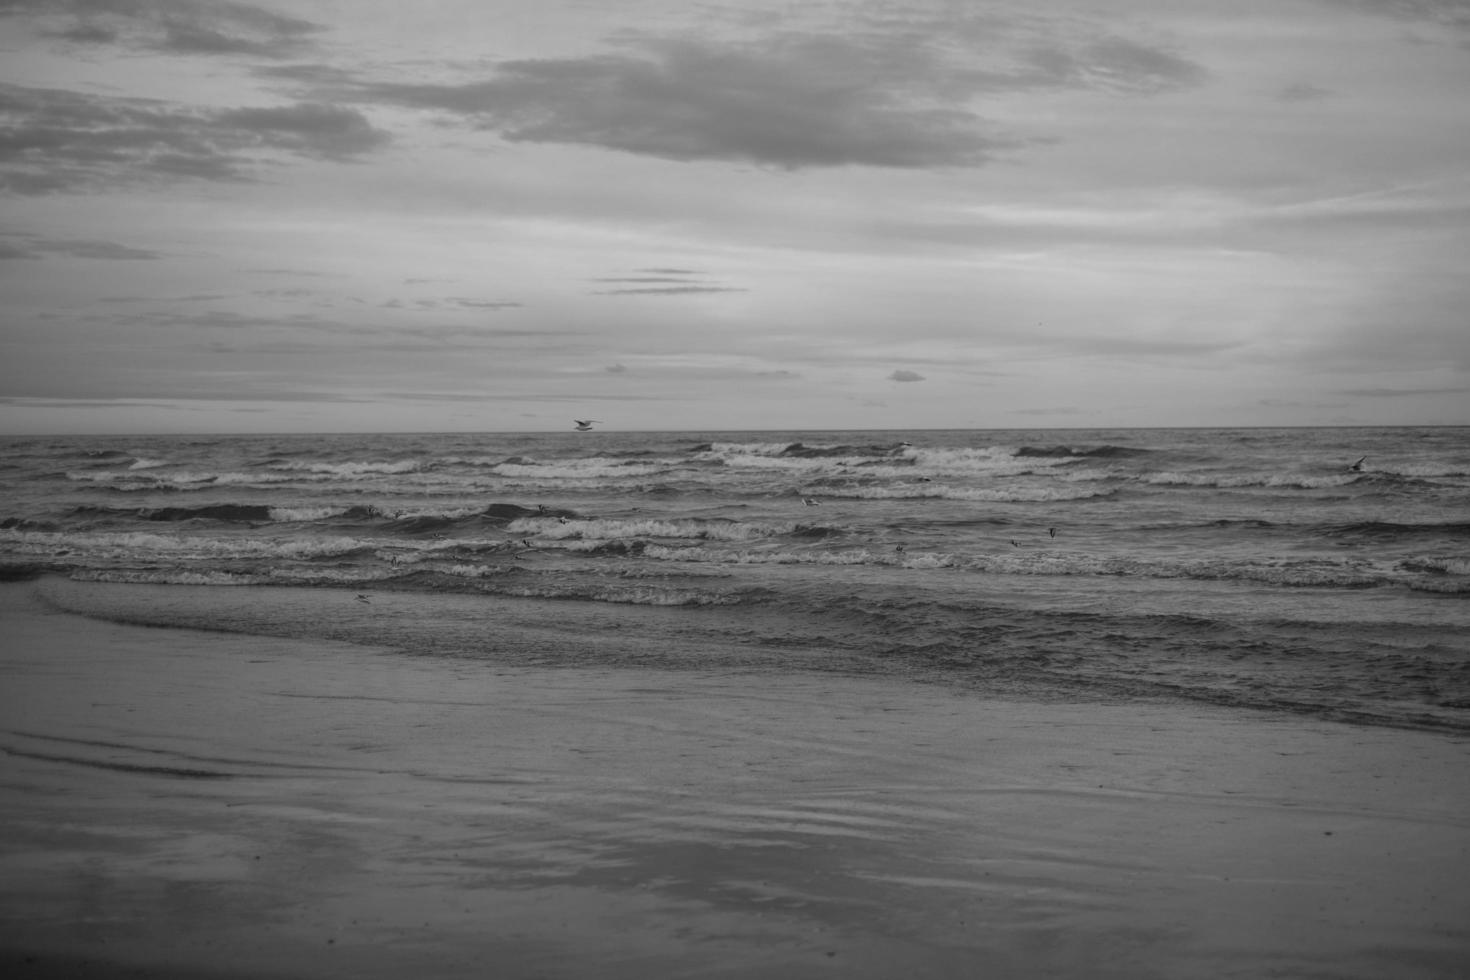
(56, 140)
(789, 100)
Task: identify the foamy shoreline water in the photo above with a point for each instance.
(1237, 567)
(196, 801)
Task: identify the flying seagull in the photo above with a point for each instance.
(1358, 466)
(585, 425)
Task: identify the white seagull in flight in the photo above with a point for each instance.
(585, 425)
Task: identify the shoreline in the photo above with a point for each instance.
(188, 801)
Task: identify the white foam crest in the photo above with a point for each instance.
(859, 556)
(786, 463)
(234, 479)
(327, 576)
(932, 559)
(1437, 565)
(471, 460)
(147, 464)
(1427, 469)
(290, 514)
(985, 494)
(470, 571)
(608, 529)
(1076, 475)
(352, 469)
(183, 479)
(989, 461)
(725, 451)
(581, 469)
(448, 513)
(1225, 482)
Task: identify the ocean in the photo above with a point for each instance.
(1248, 567)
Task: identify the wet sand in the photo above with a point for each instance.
(179, 803)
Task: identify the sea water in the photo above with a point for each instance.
(1322, 571)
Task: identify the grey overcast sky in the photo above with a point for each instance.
(329, 215)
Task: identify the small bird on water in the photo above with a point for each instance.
(362, 598)
(1358, 466)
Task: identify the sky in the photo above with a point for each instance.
(501, 215)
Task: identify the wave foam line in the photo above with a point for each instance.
(185, 479)
(352, 469)
(610, 529)
(923, 491)
(1224, 482)
(1307, 575)
(581, 470)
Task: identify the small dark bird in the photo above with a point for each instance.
(1358, 466)
(810, 502)
(1015, 543)
(899, 549)
(1052, 531)
(362, 598)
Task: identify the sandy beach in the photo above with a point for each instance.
(187, 803)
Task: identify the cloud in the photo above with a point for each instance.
(1112, 64)
(668, 290)
(484, 304)
(308, 129)
(35, 248)
(1454, 14)
(191, 27)
(1063, 410)
(641, 279)
(784, 99)
(1303, 92)
(1401, 392)
(903, 375)
(670, 282)
(53, 140)
(110, 404)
